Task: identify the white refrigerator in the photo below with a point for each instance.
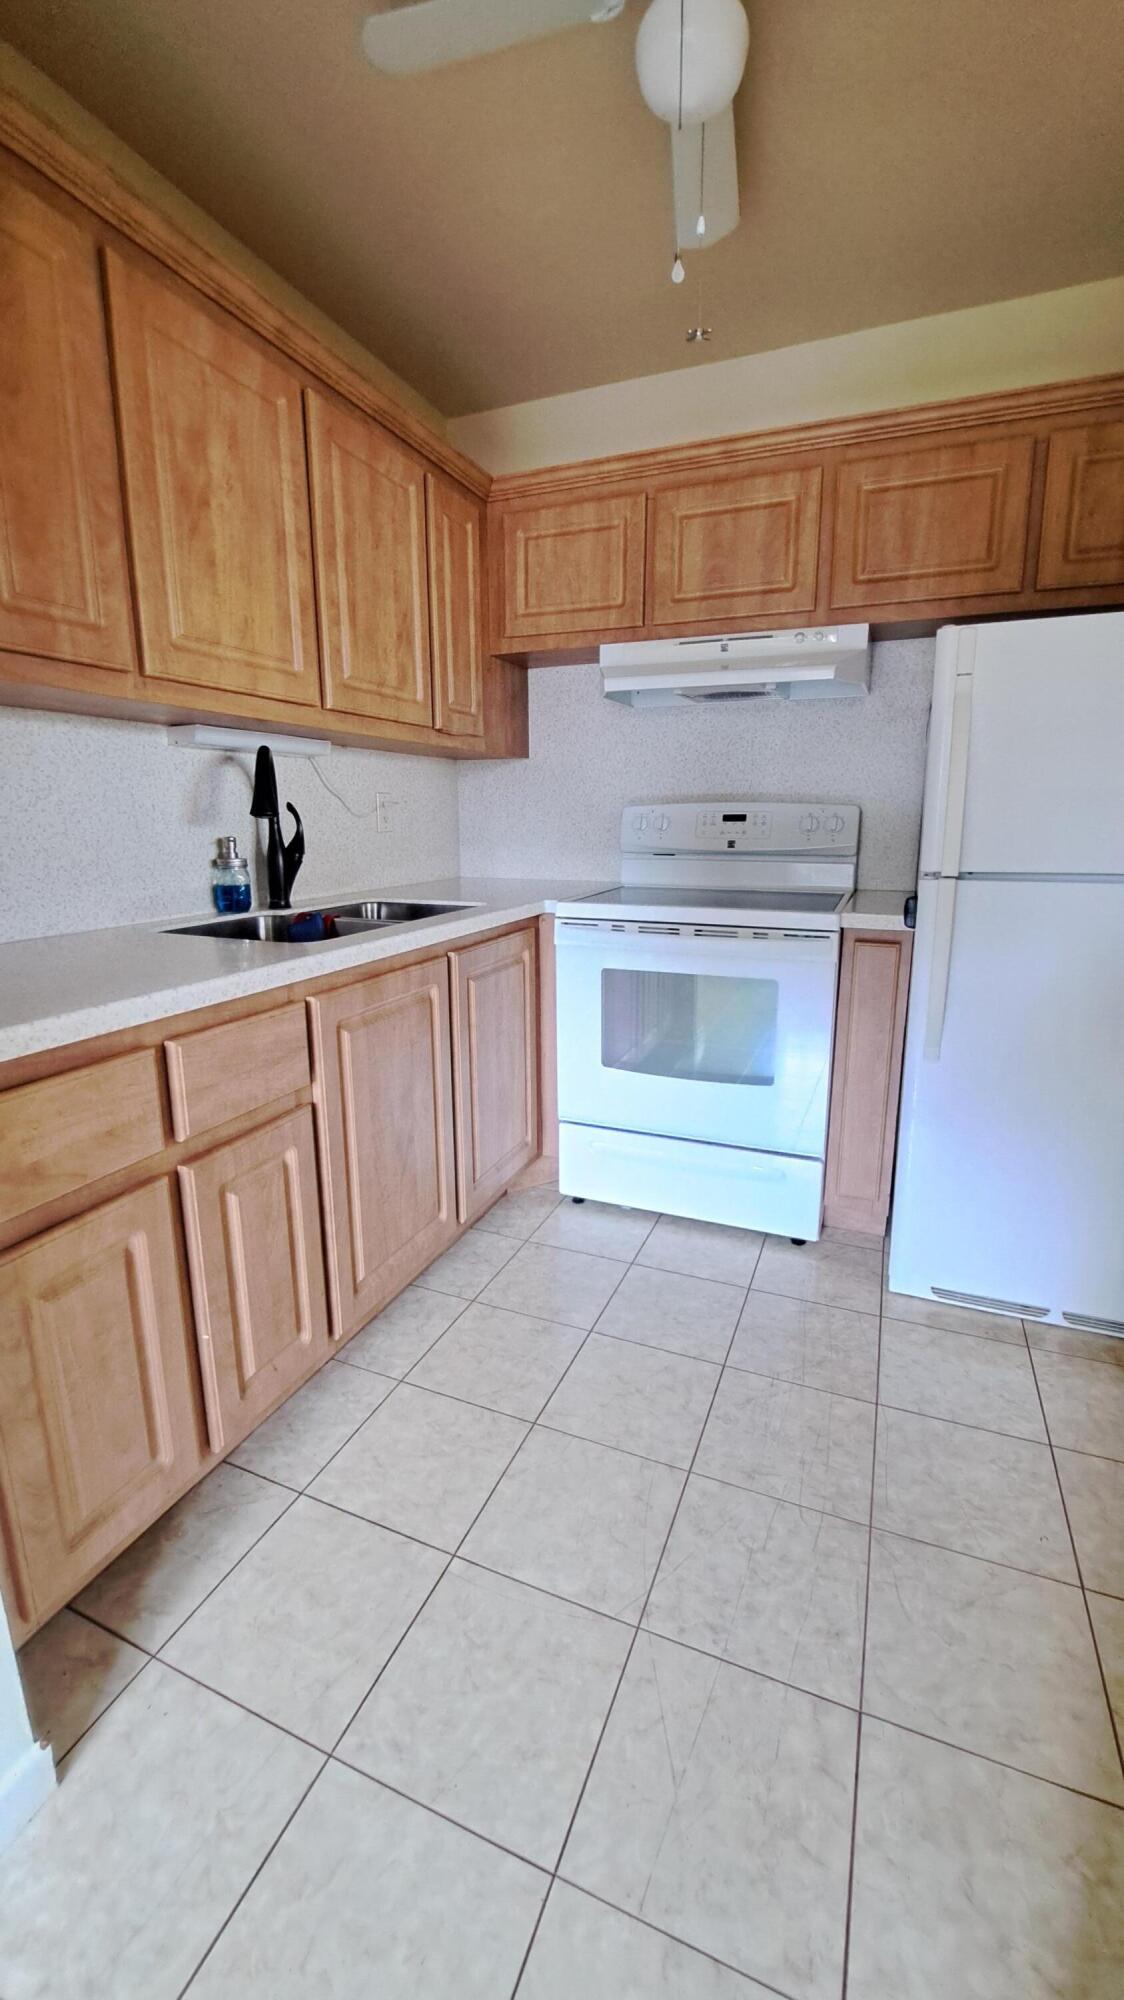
(1009, 1191)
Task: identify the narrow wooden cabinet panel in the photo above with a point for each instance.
(100, 1426)
(64, 579)
(866, 1078)
(217, 494)
(495, 1059)
(368, 504)
(1083, 516)
(216, 1074)
(455, 522)
(948, 521)
(382, 1065)
(252, 1221)
(735, 548)
(574, 566)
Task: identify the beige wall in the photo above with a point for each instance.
(26, 82)
(1051, 337)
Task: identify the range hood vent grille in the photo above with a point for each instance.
(827, 663)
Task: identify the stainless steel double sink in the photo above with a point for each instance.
(341, 920)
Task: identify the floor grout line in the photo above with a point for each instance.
(626, 1662)
(852, 1857)
(266, 1857)
(673, 1937)
(1112, 1721)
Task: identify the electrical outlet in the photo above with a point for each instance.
(385, 812)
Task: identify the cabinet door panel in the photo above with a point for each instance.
(950, 521)
(383, 1067)
(495, 1052)
(369, 518)
(217, 494)
(735, 548)
(577, 566)
(1083, 517)
(99, 1415)
(252, 1220)
(456, 606)
(64, 584)
(866, 1078)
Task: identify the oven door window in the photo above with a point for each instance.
(697, 1027)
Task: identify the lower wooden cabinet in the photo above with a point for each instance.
(382, 1062)
(100, 1421)
(866, 1078)
(495, 1066)
(252, 1221)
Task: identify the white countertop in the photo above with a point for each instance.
(876, 910)
(55, 990)
(69, 988)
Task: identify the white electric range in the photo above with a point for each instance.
(696, 1005)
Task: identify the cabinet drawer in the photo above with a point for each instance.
(67, 1131)
(222, 1073)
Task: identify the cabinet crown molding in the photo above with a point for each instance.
(1048, 401)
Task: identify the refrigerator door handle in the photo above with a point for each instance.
(956, 783)
(939, 967)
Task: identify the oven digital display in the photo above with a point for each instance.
(734, 819)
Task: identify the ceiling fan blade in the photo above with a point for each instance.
(704, 174)
(427, 34)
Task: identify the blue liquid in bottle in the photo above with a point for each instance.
(231, 898)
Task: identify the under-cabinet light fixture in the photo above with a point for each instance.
(244, 742)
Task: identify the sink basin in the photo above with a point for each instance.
(384, 912)
(346, 920)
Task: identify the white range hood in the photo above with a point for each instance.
(810, 665)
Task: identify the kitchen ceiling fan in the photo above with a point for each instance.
(690, 56)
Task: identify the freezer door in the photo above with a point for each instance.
(1010, 1174)
(1044, 792)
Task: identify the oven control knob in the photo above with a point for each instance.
(662, 823)
(809, 823)
(640, 823)
(834, 825)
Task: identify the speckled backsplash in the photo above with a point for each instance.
(106, 823)
(559, 813)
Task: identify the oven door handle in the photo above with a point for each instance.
(685, 951)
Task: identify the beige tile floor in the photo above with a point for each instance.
(635, 1610)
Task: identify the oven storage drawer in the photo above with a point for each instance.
(769, 1191)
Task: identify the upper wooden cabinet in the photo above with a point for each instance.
(495, 1062)
(64, 580)
(735, 548)
(948, 521)
(455, 534)
(252, 1223)
(217, 494)
(383, 1071)
(574, 566)
(100, 1425)
(1083, 516)
(369, 515)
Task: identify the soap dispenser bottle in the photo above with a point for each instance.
(230, 878)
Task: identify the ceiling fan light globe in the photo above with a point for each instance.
(715, 35)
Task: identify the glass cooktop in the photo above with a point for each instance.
(810, 900)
